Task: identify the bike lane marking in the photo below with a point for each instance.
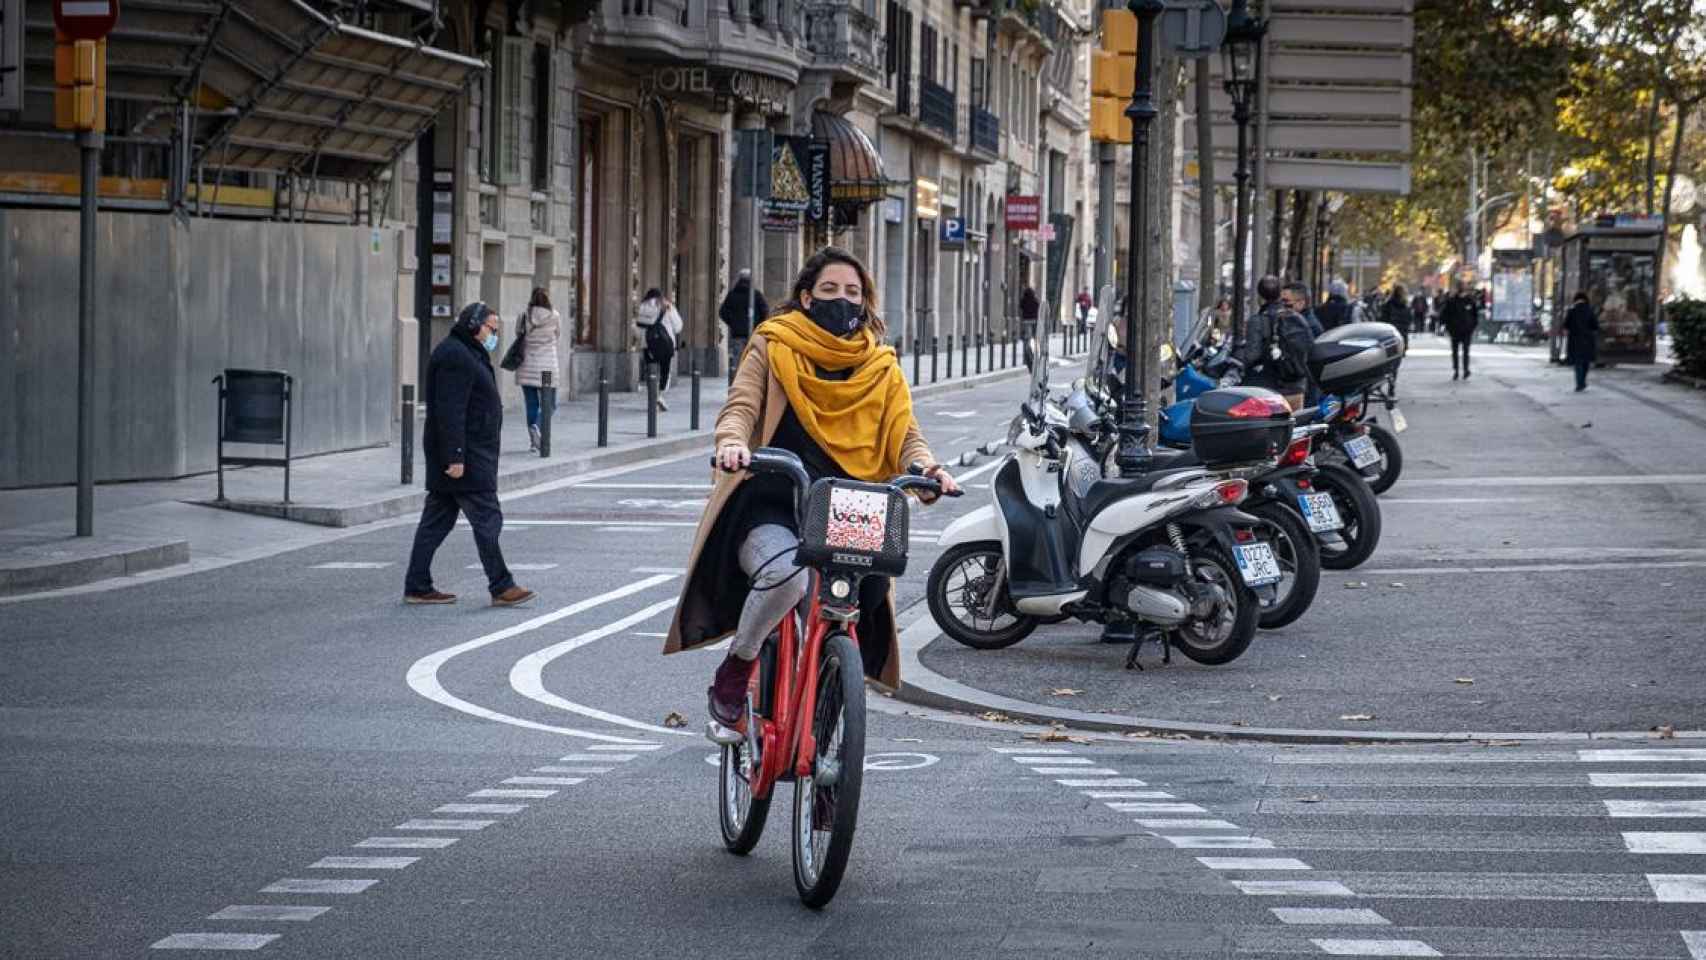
(527, 677)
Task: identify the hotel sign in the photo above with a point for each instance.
(742, 85)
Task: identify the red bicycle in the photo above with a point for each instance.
(806, 701)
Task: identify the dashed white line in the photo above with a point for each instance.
(1073, 771)
(1377, 948)
(1032, 751)
(214, 941)
(598, 757)
(1157, 807)
(362, 863)
(525, 567)
(546, 781)
(352, 565)
(618, 748)
(1187, 824)
(407, 843)
(1647, 779)
(1293, 888)
(1115, 782)
(518, 794)
(1189, 842)
(1695, 941)
(316, 885)
(1654, 842)
(583, 770)
(481, 808)
(268, 911)
(1679, 755)
(466, 825)
(1128, 794)
(1329, 916)
(1253, 863)
(1678, 887)
(1055, 760)
(1655, 808)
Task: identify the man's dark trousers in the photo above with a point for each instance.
(1463, 344)
(438, 518)
(1582, 373)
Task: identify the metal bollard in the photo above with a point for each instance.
(935, 352)
(547, 407)
(603, 406)
(965, 363)
(693, 410)
(408, 433)
(950, 356)
(651, 400)
(980, 352)
(917, 359)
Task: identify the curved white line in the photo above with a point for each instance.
(528, 674)
(423, 673)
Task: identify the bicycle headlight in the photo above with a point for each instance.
(840, 588)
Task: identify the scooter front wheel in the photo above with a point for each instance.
(960, 590)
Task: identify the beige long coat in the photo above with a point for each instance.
(751, 415)
(544, 330)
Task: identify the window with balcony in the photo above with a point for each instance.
(899, 60)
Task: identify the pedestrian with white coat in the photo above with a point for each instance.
(542, 330)
(660, 324)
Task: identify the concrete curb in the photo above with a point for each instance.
(922, 686)
(410, 500)
(75, 561)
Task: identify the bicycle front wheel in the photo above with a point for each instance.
(740, 814)
(826, 803)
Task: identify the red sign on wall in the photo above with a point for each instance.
(85, 19)
(1024, 212)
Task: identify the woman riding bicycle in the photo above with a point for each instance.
(817, 380)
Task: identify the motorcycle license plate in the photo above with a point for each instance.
(1257, 564)
(1362, 452)
(1320, 511)
(1399, 424)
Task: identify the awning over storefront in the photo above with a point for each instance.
(855, 168)
(276, 86)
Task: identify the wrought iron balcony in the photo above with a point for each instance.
(936, 108)
(985, 132)
(764, 35)
(845, 39)
(1037, 20)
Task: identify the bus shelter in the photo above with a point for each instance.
(1616, 265)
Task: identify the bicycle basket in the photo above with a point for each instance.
(858, 527)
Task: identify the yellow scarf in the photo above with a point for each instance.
(862, 421)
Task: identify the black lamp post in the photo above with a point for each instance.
(1134, 433)
(1241, 56)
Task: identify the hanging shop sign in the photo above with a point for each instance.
(1024, 211)
(927, 199)
(817, 179)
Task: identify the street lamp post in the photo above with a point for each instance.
(1134, 413)
(1240, 54)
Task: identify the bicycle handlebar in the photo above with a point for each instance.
(786, 463)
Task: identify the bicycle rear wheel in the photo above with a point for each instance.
(740, 815)
(826, 803)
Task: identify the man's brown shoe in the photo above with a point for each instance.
(513, 597)
(433, 597)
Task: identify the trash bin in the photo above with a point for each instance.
(254, 407)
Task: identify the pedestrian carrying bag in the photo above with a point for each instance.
(1291, 333)
(659, 343)
(516, 355)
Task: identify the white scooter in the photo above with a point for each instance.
(1168, 549)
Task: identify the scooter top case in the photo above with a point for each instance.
(1236, 425)
(1355, 356)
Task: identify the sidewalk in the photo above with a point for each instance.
(152, 525)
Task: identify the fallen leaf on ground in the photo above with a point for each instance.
(1274, 698)
(1464, 680)
(1665, 732)
(1050, 735)
(1502, 743)
(673, 719)
(1354, 584)
(1240, 723)
(1587, 425)
(1311, 799)
(1064, 692)
(1396, 585)
(1356, 716)
(994, 716)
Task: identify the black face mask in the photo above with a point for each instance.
(839, 317)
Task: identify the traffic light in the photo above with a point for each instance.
(1113, 74)
(80, 84)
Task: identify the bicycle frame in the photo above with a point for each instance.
(794, 697)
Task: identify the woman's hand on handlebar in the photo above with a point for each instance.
(733, 457)
(940, 474)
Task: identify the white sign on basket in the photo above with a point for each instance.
(858, 520)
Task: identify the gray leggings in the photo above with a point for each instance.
(776, 589)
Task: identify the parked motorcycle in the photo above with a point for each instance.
(1356, 366)
(1168, 550)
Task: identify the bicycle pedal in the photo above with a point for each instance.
(721, 735)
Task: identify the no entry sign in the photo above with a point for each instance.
(85, 19)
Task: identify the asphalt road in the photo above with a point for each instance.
(184, 763)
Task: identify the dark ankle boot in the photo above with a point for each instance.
(727, 693)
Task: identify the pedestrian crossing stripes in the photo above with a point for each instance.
(269, 912)
(215, 941)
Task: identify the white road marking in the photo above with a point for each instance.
(1115, 782)
(1647, 779)
(1074, 771)
(362, 863)
(354, 565)
(1610, 480)
(643, 486)
(494, 794)
(214, 941)
(528, 567)
(267, 911)
(547, 781)
(616, 525)
(1540, 567)
(1695, 941)
(899, 761)
(1678, 887)
(340, 887)
(408, 843)
(1437, 500)
(1187, 824)
(1335, 758)
(1376, 948)
(1684, 755)
(1127, 794)
(1145, 807)
(468, 825)
(527, 677)
(1077, 761)
(1032, 751)
(649, 635)
(599, 757)
(1655, 842)
(1189, 842)
(501, 808)
(1329, 916)
(584, 770)
(1293, 888)
(1655, 808)
(1253, 863)
(677, 571)
(618, 748)
(973, 474)
(422, 676)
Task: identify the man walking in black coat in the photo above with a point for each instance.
(742, 307)
(463, 424)
(1582, 325)
(1461, 317)
(1336, 311)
